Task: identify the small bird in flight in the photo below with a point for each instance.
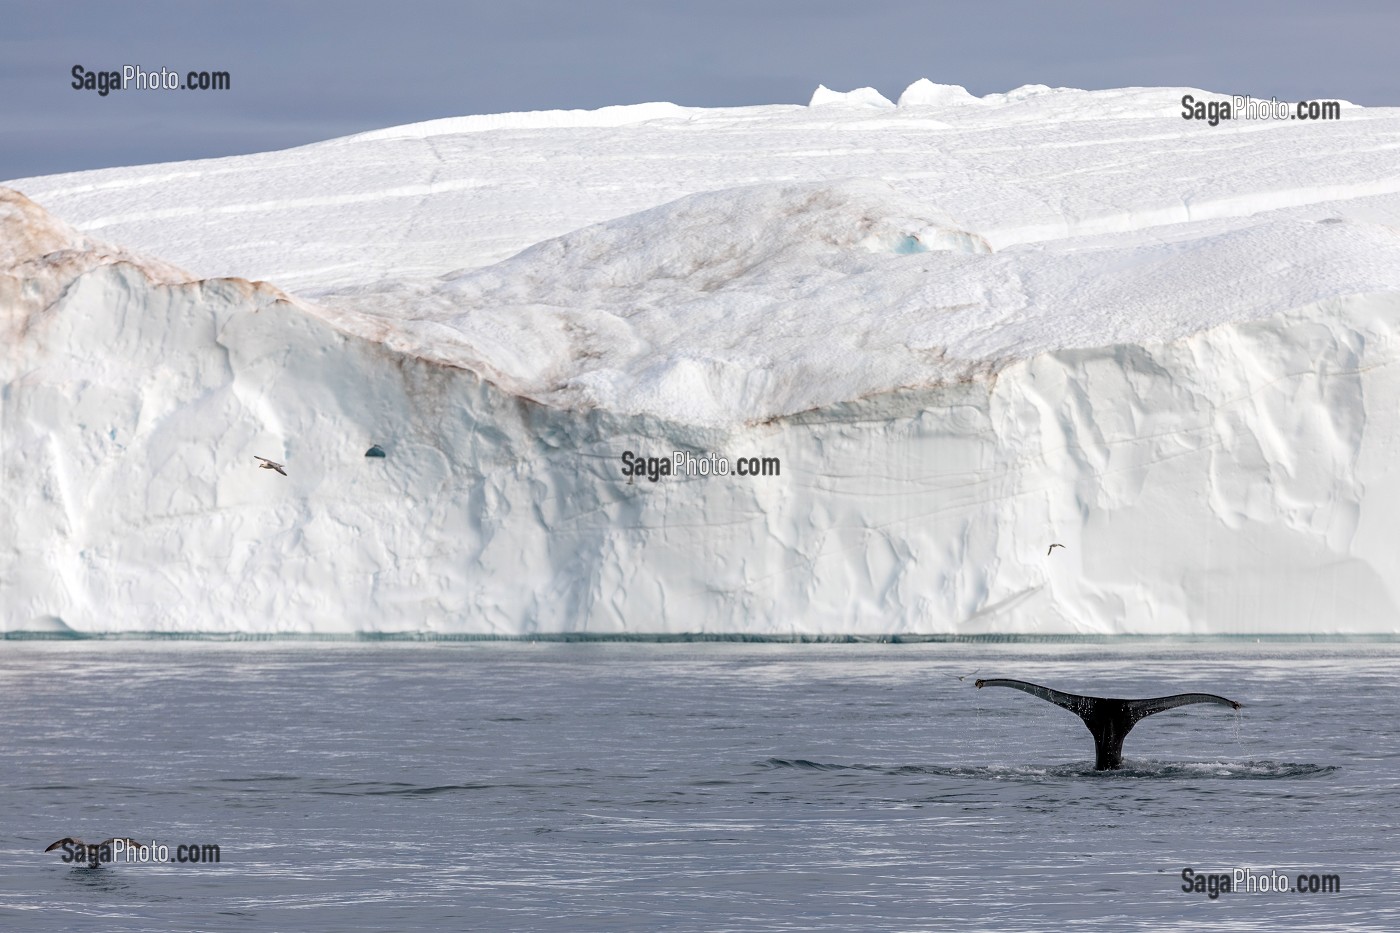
(269, 465)
(1051, 548)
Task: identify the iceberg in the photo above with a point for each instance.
(887, 355)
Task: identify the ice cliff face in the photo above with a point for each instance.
(1238, 480)
(1205, 414)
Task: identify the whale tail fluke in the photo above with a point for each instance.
(1108, 719)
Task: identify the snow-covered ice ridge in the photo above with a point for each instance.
(967, 327)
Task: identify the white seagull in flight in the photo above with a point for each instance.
(269, 465)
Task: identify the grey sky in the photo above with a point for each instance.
(312, 70)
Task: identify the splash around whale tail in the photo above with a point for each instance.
(1108, 719)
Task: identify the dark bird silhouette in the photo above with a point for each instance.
(1051, 548)
(269, 465)
(1109, 719)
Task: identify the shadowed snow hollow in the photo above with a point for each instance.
(748, 304)
(722, 307)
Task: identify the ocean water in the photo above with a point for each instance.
(608, 786)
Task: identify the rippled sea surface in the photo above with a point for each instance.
(693, 786)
